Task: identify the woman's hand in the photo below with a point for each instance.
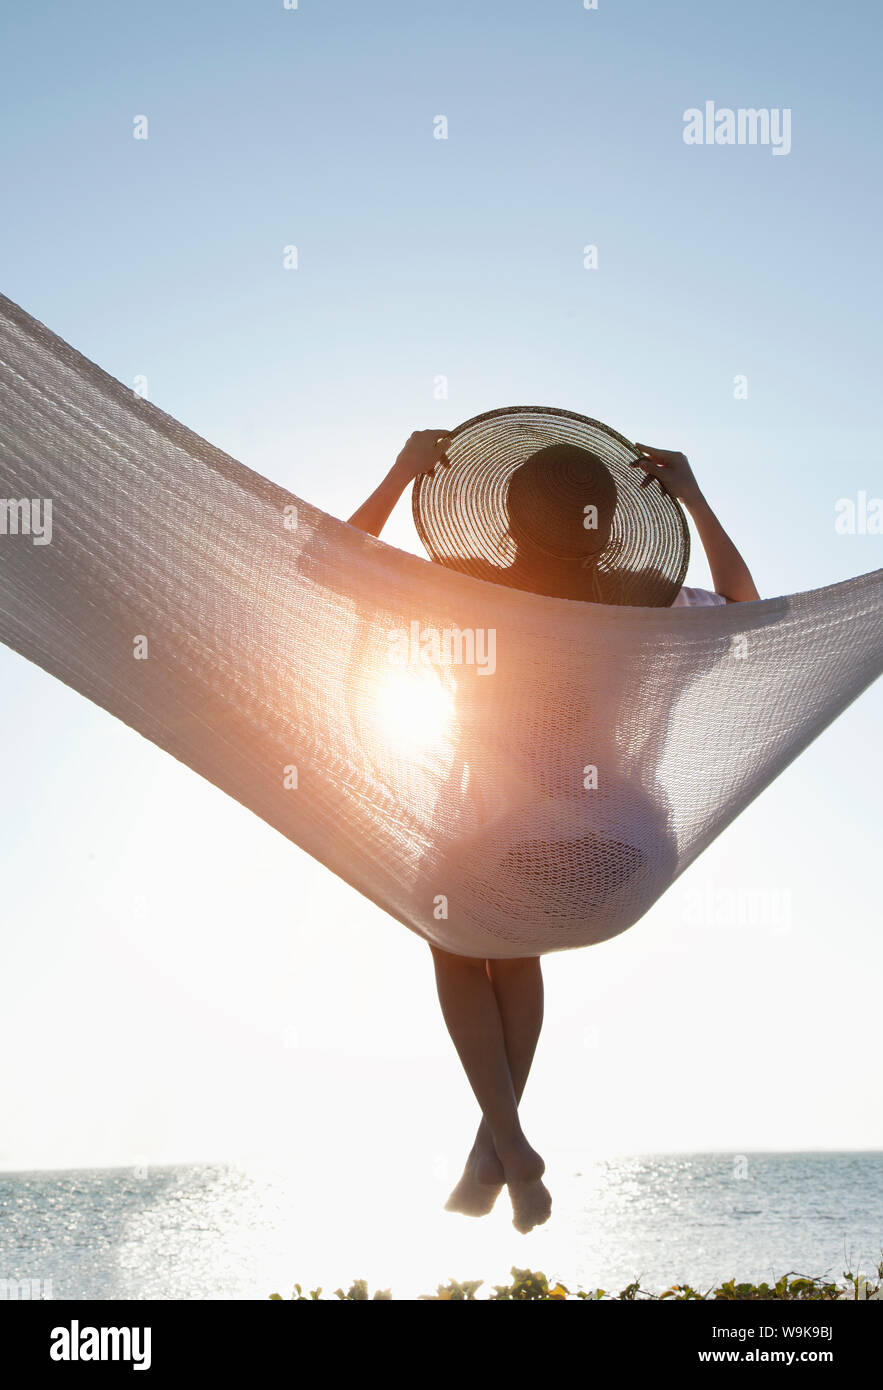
(729, 572)
(423, 452)
(673, 472)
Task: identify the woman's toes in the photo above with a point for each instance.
(531, 1205)
(479, 1187)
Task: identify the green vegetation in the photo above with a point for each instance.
(532, 1284)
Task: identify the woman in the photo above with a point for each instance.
(493, 1009)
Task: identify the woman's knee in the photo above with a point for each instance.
(447, 960)
(515, 965)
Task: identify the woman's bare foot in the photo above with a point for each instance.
(485, 1174)
(481, 1183)
(531, 1200)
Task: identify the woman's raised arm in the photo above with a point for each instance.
(421, 454)
(729, 573)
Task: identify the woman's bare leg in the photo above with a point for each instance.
(490, 1007)
(518, 986)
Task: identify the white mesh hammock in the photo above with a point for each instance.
(543, 806)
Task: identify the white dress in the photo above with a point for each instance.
(563, 851)
(697, 598)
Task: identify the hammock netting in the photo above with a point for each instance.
(536, 793)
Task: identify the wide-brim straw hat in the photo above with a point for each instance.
(547, 500)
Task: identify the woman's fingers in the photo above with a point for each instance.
(426, 448)
(441, 446)
(653, 468)
(433, 439)
(670, 468)
(657, 463)
(663, 456)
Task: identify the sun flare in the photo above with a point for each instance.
(414, 708)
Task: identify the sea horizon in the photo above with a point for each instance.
(178, 1161)
(234, 1231)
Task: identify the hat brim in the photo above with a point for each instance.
(461, 517)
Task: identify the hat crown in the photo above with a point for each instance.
(562, 500)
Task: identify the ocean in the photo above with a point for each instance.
(227, 1231)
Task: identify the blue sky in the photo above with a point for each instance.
(162, 944)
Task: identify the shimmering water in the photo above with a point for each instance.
(220, 1231)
